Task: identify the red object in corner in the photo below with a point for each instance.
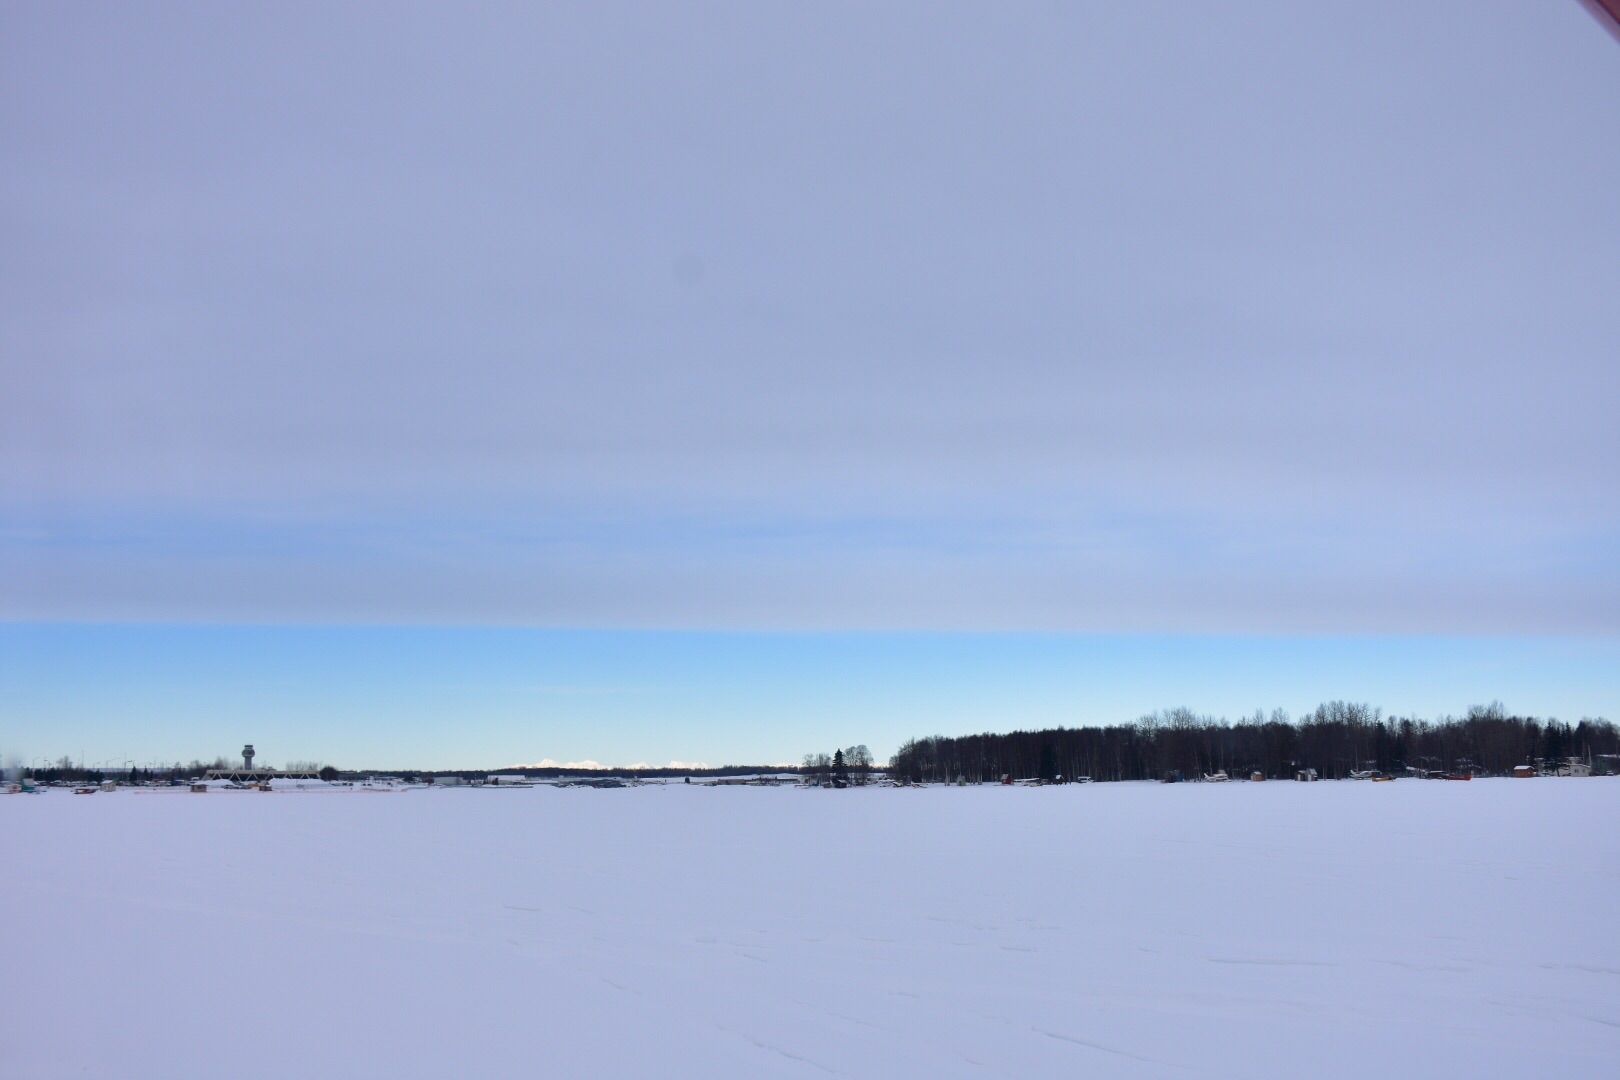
(1606, 12)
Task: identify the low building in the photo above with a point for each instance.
(254, 777)
(1524, 770)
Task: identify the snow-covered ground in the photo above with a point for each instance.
(1277, 929)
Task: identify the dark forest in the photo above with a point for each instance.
(1335, 740)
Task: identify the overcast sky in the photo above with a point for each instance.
(1260, 317)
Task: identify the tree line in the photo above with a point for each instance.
(65, 771)
(1337, 738)
(842, 768)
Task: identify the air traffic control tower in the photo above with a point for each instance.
(247, 774)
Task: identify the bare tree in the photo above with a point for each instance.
(859, 760)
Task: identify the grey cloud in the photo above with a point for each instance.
(1264, 267)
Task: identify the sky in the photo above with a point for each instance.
(488, 697)
(1285, 332)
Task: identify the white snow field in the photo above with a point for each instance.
(1112, 930)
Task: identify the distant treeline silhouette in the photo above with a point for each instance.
(549, 772)
(64, 770)
(1335, 739)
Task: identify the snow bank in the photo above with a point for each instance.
(1123, 930)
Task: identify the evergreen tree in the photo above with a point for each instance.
(1552, 744)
